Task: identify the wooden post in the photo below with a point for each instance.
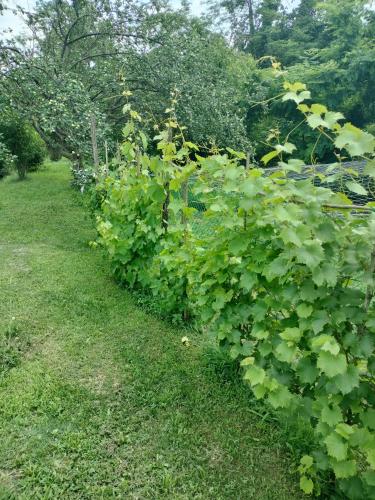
(370, 288)
(247, 161)
(165, 210)
(94, 143)
(106, 157)
(247, 167)
(118, 152)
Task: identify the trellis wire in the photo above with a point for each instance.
(350, 171)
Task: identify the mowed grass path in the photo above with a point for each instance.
(103, 400)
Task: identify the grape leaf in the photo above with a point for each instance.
(304, 310)
(344, 469)
(347, 381)
(354, 140)
(291, 334)
(255, 374)
(355, 187)
(306, 485)
(310, 254)
(336, 447)
(285, 353)
(331, 415)
(307, 371)
(280, 398)
(369, 477)
(331, 365)
(368, 418)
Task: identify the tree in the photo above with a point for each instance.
(249, 23)
(67, 69)
(210, 78)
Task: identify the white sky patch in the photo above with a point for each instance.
(9, 20)
(196, 6)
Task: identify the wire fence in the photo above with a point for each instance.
(334, 176)
(341, 174)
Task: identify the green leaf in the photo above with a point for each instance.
(238, 245)
(344, 430)
(370, 168)
(247, 361)
(128, 129)
(369, 477)
(307, 371)
(255, 374)
(370, 455)
(360, 437)
(353, 488)
(331, 365)
(293, 165)
(251, 187)
(259, 391)
(331, 118)
(291, 334)
(316, 121)
(354, 140)
(221, 297)
(326, 343)
(336, 447)
(156, 193)
(310, 254)
(304, 310)
(248, 280)
(331, 415)
(306, 485)
(288, 147)
(269, 156)
(347, 381)
(318, 109)
(297, 98)
(355, 187)
(318, 320)
(289, 235)
(344, 469)
(276, 268)
(294, 87)
(237, 154)
(368, 418)
(258, 332)
(280, 398)
(307, 461)
(143, 137)
(325, 273)
(285, 352)
(303, 107)
(265, 348)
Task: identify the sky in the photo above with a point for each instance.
(8, 20)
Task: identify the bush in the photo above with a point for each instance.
(6, 159)
(283, 280)
(25, 144)
(83, 177)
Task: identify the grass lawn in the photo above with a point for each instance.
(98, 399)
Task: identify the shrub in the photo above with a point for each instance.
(284, 279)
(83, 177)
(25, 144)
(6, 159)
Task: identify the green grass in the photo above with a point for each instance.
(103, 400)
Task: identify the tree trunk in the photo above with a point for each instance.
(251, 18)
(94, 143)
